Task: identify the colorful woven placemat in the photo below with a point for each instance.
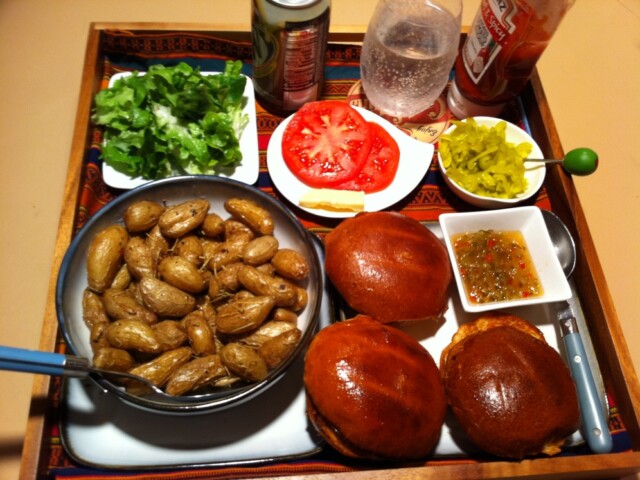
(125, 51)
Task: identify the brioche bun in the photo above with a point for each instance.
(389, 266)
(373, 392)
(511, 392)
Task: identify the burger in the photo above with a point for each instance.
(389, 266)
(510, 391)
(373, 392)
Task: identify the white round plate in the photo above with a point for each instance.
(415, 158)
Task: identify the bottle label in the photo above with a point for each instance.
(495, 26)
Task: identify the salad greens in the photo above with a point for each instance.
(173, 120)
(482, 161)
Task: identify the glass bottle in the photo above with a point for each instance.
(506, 40)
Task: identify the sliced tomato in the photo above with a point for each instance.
(326, 143)
(381, 166)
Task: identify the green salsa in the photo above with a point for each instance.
(495, 266)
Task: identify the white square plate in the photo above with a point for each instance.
(248, 170)
(527, 220)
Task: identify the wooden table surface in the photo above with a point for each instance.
(590, 74)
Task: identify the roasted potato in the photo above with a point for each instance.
(122, 304)
(195, 374)
(178, 220)
(256, 217)
(276, 350)
(142, 216)
(181, 273)
(244, 362)
(260, 250)
(290, 264)
(164, 299)
(132, 334)
(283, 292)
(190, 300)
(105, 256)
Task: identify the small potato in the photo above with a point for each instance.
(284, 315)
(209, 313)
(284, 293)
(122, 304)
(260, 250)
(290, 264)
(276, 350)
(267, 269)
(213, 225)
(189, 247)
(158, 370)
(142, 216)
(302, 299)
(235, 228)
(243, 315)
(98, 336)
(265, 332)
(139, 258)
(200, 334)
(170, 334)
(157, 243)
(244, 362)
(195, 374)
(115, 359)
(224, 281)
(131, 334)
(181, 273)
(93, 311)
(178, 220)
(105, 256)
(226, 381)
(227, 252)
(122, 278)
(255, 216)
(164, 299)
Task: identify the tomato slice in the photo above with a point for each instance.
(326, 143)
(381, 166)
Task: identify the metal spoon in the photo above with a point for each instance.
(594, 422)
(48, 363)
(579, 161)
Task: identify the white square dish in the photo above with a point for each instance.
(528, 221)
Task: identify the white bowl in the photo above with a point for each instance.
(530, 222)
(534, 172)
(72, 281)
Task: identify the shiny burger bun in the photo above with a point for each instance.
(373, 392)
(389, 266)
(510, 391)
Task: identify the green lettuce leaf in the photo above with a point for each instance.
(173, 120)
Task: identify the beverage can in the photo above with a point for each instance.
(289, 39)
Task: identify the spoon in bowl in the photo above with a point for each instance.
(48, 363)
(594, 423)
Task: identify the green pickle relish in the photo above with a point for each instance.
(496, 266)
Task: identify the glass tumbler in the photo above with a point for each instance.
(408, 52)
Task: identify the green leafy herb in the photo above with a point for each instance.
(173, 120)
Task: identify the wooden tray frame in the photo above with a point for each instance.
(606, 333)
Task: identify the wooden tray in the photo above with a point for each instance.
(609, 344)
